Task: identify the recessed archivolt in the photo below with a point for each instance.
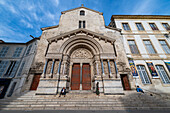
(85, 41)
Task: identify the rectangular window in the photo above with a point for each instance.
(21, 68)
(126, 26)
(79, 24)
(164, 77)
(3, 65)
(139, 26)
(12, 69)
(153, 26)
(84, 24)
(166, 26)
(149, 47)
(3, 52)
(17, 52)
(29, 49)
(143, 74)
(133, 47)
(164, 46)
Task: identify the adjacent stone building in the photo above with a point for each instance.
(15, 62)
(146, 40)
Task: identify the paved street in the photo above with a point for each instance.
(87, 111)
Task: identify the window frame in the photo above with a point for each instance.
(128, 26)
(152, 47)
(135, 45)
(3, 51)
(165, 71)
(141, 76)
(141, 25)
(16, 52)
(157, 29)
(166, 44)
(6, 67)
(164, 27)
(82, 14)
(82, 24)
(27, 53)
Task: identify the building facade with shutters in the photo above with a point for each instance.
(146, 40)
(15, 62)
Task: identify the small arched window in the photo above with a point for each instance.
(82, 13)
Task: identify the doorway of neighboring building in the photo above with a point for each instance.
(35, 82)
(125, 81)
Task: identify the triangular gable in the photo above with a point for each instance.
(82, 6)
(83, 31)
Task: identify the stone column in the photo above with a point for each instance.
(44, 71)
(64, 68)
(58, 72)
(97, 68)
(116, 75)
(102, 68)
(110, 73)
(70, 72)
(52, 68)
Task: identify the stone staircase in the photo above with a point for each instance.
(87, 101)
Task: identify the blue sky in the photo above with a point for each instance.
(21, 18)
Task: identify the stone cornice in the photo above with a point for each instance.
(140, 17)
(79, 8)
(112, 28)
(51, 27)
(81, 30)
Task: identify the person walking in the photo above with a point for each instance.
(97, 89)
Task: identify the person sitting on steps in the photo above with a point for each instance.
(63, 92)
(138, 89)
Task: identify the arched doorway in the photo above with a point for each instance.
(81, 58)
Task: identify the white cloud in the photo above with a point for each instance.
(28, 25)
(50, 16)
(56, 2)
(12, 9)
(9, 35)
(2, 2)
(144, 7)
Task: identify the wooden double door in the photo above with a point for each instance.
(81, 76)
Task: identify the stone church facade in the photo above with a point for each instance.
(78, 53)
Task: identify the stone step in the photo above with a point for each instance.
(88, 108)
(80, 102)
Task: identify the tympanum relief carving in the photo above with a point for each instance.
(81, 53)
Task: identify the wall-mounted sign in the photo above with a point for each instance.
(152, 69)
(133, 68)
(168, 65)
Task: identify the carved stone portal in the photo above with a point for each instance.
(81, 53)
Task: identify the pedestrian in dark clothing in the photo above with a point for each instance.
(63, 92)
(97, 89)
(138, 89)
